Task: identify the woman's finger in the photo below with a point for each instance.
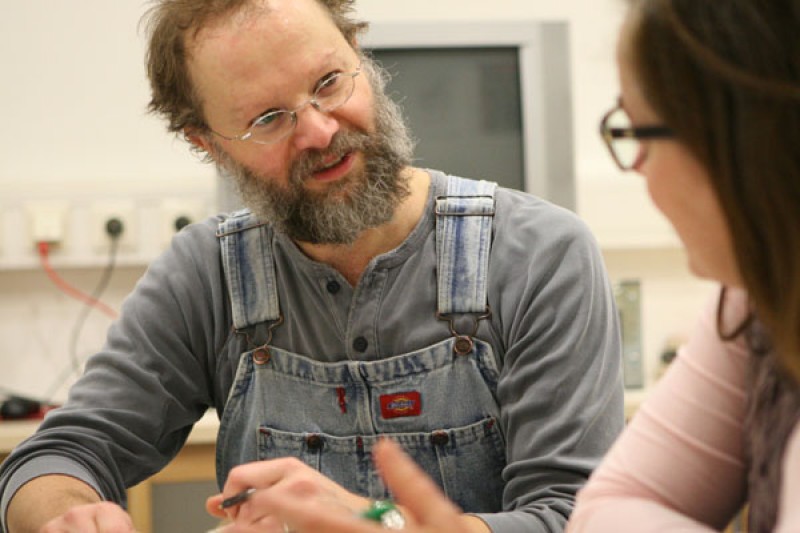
(412, 487)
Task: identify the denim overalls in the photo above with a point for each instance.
(439, 403)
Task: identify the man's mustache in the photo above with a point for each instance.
(342, 144)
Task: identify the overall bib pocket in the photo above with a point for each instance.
(454, 457)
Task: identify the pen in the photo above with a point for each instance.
(237, 499)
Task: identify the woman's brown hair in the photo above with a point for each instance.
(724, 75)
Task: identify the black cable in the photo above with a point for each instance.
(98, 291)
(114, 230)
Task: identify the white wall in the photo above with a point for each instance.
(72, 100)
(74, 93)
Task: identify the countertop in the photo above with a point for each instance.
(12, 432)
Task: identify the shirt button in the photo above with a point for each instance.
(314, 442)
(333, 286)
(360, 344)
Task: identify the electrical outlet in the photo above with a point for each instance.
(102, 213)
(176, 213)
(47, 220)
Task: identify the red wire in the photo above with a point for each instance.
(68, 289)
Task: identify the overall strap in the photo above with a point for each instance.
(246, 247)
(463, 240)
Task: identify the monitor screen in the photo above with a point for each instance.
(463, 107)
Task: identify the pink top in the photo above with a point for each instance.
(679, 464)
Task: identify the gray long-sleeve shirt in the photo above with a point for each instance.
(173, 354)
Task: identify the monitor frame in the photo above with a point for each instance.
(545, 79)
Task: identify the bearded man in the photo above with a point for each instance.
(356, 298)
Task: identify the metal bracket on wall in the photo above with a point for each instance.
(628, 296)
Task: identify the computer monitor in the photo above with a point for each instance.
(489, 100)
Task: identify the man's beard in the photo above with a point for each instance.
(357, 202)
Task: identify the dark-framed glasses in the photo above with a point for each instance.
(330, 93)
(624, 140)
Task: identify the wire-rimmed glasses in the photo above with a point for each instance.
(624, 140)
(332, 92)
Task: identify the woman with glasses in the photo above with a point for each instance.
(709, 115)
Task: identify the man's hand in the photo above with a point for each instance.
(103, 517)
(287, 476)
(62, 504)
(306, 502)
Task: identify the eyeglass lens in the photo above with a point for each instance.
(626, 149)
(332, 93)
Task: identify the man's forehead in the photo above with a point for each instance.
(266, 17)
(241, 19)
(244, 65)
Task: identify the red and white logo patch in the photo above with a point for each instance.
(401, 404)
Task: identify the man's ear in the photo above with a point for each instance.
(200, 140)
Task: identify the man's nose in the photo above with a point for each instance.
(314, 128)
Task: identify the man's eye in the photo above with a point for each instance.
(328, 83)
(268, 119)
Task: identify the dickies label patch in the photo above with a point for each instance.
(401, 404)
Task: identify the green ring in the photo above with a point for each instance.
(384, 512)
(377, 508)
